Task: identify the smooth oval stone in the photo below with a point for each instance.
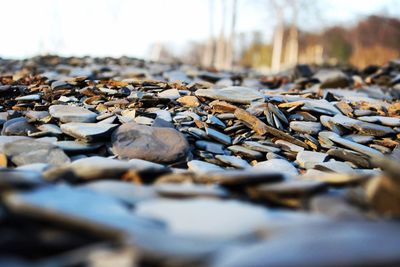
(67, 113)
(17, 126)
(172, 94)
(34, 97)
(308, 127)
(276, 165)
(161, 145)
(23, 152)
(235, 94)
(88, 131)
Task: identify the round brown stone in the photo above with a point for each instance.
(156, 144)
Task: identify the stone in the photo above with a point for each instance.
(172, 94)
(234, 94)
(236, 179)
(34, 97)
(160, 145)
(88, 131)
(124, 191)
(77, 147)
(307, 127)
(67, 113)
(291, 188)
(218, 136)
(245, 152)
(189, 101)
(389, 121)
(334, 248)
(308, 159)
(350, 156)
(190, 191)
(352, 145)
(334, 166)
(320, 106)
(332, 79)
(19, 179)
(201, 167)
(210, 146)
(23, 152)
(95, 212)
(233, 161)
(256, 146)
(230, 219)
(94, 168)
(277, 165)
(18, 126)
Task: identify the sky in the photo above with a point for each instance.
(131, 27)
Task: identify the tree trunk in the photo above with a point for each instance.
(230, 48)
(220, 53)
(277, 44)
(209, 51)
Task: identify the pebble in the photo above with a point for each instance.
(277, 165)
(234, 94)
(161, 145)
(88, 131)
(67, 113)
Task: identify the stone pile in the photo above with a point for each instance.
(122, 162)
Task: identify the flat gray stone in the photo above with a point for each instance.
(308, 159)
(352, 145)
(235, 94)
(28, 151)
(172, 94)
(245, 152)
(218, 136)
(88, 131)
(276, 165)
(201, 167)
(205, 218)
(18, 126)
(307, 127)
(67, 113)
(233, 161)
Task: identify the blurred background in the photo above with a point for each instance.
(268, 35)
